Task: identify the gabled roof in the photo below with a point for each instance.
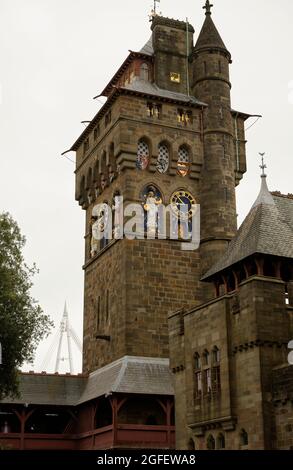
(132, 55)
(267, 229)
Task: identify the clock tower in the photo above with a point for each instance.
(166, 134)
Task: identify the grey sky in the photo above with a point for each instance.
(55, 55)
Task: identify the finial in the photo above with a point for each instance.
(208, 7)
(263, 165)
(154, 12)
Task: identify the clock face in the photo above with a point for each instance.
(183, 198)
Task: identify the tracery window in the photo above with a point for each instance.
(163, 158)
(183, 165)
(143, 155)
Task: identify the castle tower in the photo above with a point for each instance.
(166, 134)
(224, 143)
(146, 139)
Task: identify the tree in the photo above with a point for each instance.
(22, 322)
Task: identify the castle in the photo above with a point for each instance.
(209, 327)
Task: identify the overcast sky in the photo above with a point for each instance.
(55, 55)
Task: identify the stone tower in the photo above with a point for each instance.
(167, 126)
(235, 385)
(211, 84)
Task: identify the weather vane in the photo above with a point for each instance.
(263, 165)
(154, 10)
(208, 7)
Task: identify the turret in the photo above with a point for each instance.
(211, 85)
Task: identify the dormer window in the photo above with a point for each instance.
(144, 72)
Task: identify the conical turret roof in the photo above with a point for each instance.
(267, 229)
(209, 36)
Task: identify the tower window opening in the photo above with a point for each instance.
(184, 116)
(198, 384)
(216, 355)
(154, 110)
(143, 155)
(163, 158)
(243, 438)
(197, 361)
(216, 379)
(206, 358)
(221, 444)
(183, 165)
(207, 381)
(211, 443)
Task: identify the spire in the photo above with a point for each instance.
(209, 35)
(208, 7)
(264, 196)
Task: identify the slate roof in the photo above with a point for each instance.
(135, 375)
(142, 86)
(130, 375)
(148, 49)
(49, 389)
(209, 36)
(267, 229)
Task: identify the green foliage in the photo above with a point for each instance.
(22, 322)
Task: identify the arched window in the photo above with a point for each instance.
(144, 72)
(163, 158)
(183, 164)
(211, 444)
(191, 444)
(243, 438)
(216, 355)
(221, 444)
(143, 155)
(197, 361)
(206, 358)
